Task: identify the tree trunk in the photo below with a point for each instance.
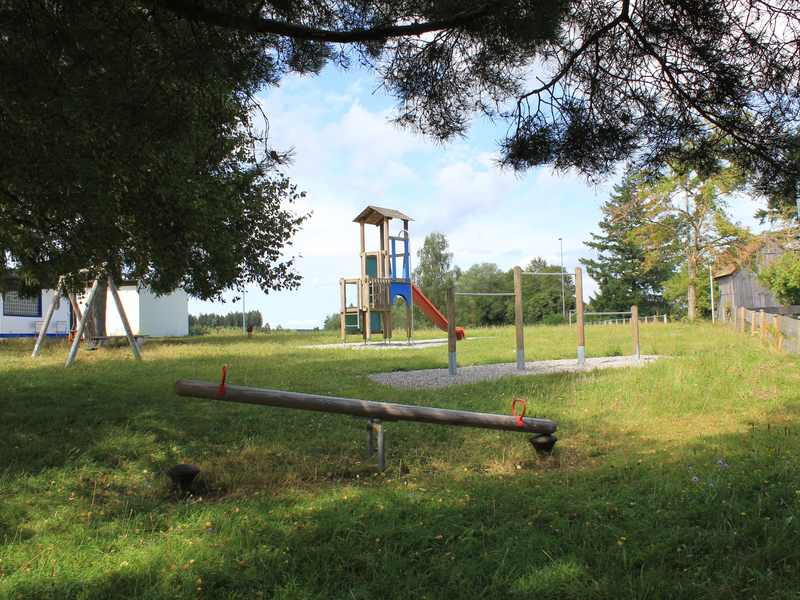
(96, 322)
(691, 292)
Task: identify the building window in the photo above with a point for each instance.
(21, 307)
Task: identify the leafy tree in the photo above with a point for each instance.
(685, 206)
(231, 320)
(622, 271)
(676, 291)
(333, 322)
(129, 145)
(581, 84)
(782, 277)
(477, 310)
(433, 273)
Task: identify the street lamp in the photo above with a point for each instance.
(563, 307)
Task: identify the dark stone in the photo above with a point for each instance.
(543, 442)
(183, 475)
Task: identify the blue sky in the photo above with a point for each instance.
(348, 156)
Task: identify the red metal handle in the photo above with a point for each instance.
(524, 408)
(222, 384)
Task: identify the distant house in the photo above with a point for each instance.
(148, 314)
(739, 287)
(23, 317)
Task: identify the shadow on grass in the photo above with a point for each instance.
(291, 508)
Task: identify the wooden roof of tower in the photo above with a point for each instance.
(374, 215)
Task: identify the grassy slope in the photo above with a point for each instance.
(287, 506)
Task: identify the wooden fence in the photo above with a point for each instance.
(780, 330)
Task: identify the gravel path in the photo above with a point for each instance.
(439, 378)
(393, 345)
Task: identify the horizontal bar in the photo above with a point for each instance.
(532, 273)
(361, 408)
(482, 294)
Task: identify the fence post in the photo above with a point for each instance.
(744, 320)
(579, 307)
(763, 332)
(778, 336)
(518, 318)
(451, 332)
(635, 328)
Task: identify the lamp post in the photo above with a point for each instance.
(563, 308)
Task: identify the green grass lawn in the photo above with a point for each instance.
(676, 480)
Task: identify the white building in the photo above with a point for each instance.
(148, 314)
(22, 317)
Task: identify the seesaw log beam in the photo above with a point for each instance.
(361, 408)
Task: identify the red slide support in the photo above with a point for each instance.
(433, 313)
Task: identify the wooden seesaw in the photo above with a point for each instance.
(374, 412)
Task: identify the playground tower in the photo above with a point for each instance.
(367, 301)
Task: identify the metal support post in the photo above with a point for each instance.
(451, 332)
(375, 425)
(48, 317)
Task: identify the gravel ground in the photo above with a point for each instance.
(393, 345)
(439, 378)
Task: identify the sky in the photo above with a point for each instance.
(348, 155)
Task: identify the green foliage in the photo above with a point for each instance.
(233, 320)
(541, 295)
(129, 143)
(782, 277)
(683, 210)
(482, 311)
(433, 273)
(583, 85)
(676, 291)
(333, 322)
(625, 277)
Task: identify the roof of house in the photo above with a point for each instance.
(729, 270)
(374, 215)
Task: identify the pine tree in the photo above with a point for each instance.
(621, 269)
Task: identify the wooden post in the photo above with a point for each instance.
(124, 318)
(518, 319)
(367, 302)
(752, 323)
(84, 317)
(343, 312)
(635, 328)
(763, 329)
(451, 332)
(386, 243)
(362, 408)
(744, 320)
(778, 336)
(47, 318)
(363, 252)
(579, 308)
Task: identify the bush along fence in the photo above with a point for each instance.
(771, 324)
